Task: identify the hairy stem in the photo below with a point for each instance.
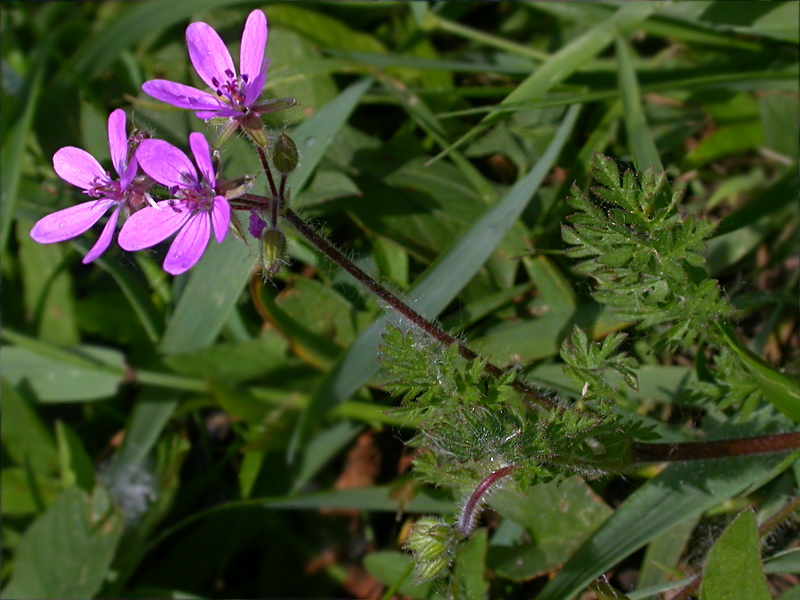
(265, 164)
(642, 452)
(780, 442)
(386, 296)
(469, 514)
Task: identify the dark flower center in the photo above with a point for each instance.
(232, 89)
(104, 187)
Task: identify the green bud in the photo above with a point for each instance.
(284, 154)
(430, 539)
(433, 569)
(273, 251)
(254, 127)
(227, 127)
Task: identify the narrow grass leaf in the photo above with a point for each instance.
(562, 64)
(14, 140)
(140, 20)
(645, 153)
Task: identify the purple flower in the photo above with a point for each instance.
(234, 95)
(195, 207)
(81, 169)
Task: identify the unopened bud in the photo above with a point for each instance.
(284, 154)
(254, 127)
(430, 541)
(273, 251)
(227, 127)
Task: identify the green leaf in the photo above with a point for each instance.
(394, 569)
(75, 375)
(66, 553)
(435, 288)
(733, 568)
(678, 492)
(47, 287)
(727, 140)
(778, 389)
(558, 517)
(14, 140)
(563, 63)
(469, 575)
(25, 437)
(76, 466)
(18, 498)
(645, 153)
(100, 50)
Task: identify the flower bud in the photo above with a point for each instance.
(273, 251)
(430, 541)
(426, 570)
(254, 127)
(284, 154)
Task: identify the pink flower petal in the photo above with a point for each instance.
(104, 240)
(118, 140)
(224, 112)
(220, 217)
(165, 163)
(208, 54)
(152, 224)
(254, 40)
(70, 222)
(182, 96)
(202, 156)
(189, 245)
(255, 86)
(127, 177)
(78, 167)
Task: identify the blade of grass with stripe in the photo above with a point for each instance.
(435, 289)
(564, 63)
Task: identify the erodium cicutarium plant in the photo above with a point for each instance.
(479, 428)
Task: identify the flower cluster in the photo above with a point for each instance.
(198, 199)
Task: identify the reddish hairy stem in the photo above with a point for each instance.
(265, 164)
(466, 521)
(642, 452)
(780, 442)
(409, 313)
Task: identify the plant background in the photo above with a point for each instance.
(247, 449)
